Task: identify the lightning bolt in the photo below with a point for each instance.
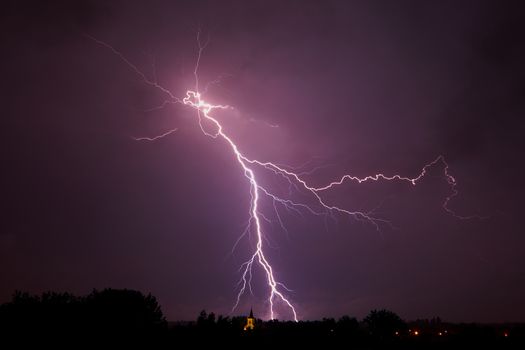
(277, 290)
(154, 138)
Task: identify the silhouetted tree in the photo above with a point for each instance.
(211, 319)
(205, 321)
(110, 312)
(347, 325)
(202, 318)
(238, 322)
(123, 309)
(328, 325)
(50, 313)
(383, 324)
(223, 323)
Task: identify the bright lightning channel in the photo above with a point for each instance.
(194, 99)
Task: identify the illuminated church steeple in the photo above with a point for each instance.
(250, 322)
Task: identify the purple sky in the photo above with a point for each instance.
(360, 86)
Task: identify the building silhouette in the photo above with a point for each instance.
(250, 322)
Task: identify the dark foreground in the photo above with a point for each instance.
(126, 318)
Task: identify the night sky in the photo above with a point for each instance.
(354, 87)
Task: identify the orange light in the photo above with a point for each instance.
(440, 333)
(416, 333)
(505, 334)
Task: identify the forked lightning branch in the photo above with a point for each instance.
(252, 169)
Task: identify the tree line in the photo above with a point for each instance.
(124, 316)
